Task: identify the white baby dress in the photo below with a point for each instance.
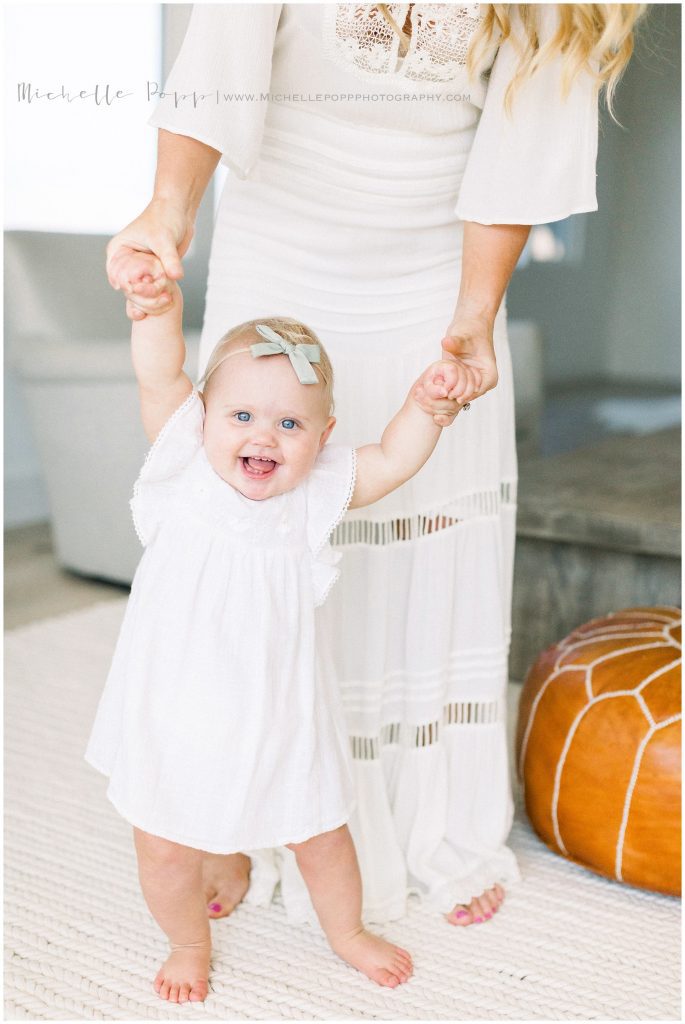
(220, 726)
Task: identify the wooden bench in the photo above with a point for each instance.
(598, 530)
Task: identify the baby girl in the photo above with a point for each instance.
(220, 725)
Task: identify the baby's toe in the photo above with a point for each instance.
(402, 969)
(164, 989)
(173, 992)
(198, 992)
(477, 910)
(184, 992)
(486, 905)
(385, 977)
(461, 915)
(494, 897)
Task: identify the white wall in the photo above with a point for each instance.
(26, 499)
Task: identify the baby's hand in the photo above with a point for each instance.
(147, 289)
(434, 390)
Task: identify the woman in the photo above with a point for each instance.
(383, 188)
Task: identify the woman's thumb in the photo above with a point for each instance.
(171, 261)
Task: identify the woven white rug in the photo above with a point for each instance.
(81, 945)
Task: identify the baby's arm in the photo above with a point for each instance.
(158, 351)
(408, 440)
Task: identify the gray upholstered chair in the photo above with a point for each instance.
(68, 339)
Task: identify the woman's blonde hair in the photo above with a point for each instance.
(290, 330)
(585, 32)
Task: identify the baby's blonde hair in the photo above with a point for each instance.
(290, 330)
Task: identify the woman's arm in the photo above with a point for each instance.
(184, 169)
(490, 254)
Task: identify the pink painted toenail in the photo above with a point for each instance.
(488, 916)
(462, 913)
(479, 920)
(215, 907)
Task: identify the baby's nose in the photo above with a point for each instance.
(264, 436)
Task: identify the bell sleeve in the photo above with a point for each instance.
(539, 164)
(155, 490)
(217, 89)
(330, 487)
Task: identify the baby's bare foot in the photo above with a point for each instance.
(184, 975)
(225, 878)
(379, 960)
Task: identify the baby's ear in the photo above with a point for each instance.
(327, 432)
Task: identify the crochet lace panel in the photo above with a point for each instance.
(403, 734)
(463, 510)
(360, 39)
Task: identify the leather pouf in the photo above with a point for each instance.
(598, 747)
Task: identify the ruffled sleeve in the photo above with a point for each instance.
(176, 444)
(330, 486)
(539, 165)
(216, 91)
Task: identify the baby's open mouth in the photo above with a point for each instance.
(256, 467)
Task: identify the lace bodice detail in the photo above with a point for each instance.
(360, 39)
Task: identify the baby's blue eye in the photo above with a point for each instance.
(244, 417)
(288, 424)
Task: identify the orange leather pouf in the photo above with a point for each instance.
(598, 747)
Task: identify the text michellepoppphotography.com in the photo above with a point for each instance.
(106, 95)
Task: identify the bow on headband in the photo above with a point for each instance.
(300, 356)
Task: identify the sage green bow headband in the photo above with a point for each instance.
(300, 356)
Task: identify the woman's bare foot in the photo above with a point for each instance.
(225, 879)
(480, 909)
(379, 960)
(183, 977)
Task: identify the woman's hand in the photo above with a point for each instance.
(469, 340)
(165, 229)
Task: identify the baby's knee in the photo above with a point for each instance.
(162, 854)
(324, 842)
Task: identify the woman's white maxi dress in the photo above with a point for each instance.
(353, 171)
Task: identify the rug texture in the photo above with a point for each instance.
(80, 943)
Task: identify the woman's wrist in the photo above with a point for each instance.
(490, 253)
(479, 310)
(180, 204)
(171, 209)
(184, 169)
(474, 326)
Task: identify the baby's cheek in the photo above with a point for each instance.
(303, 456)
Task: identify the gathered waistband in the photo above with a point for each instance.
(355, 156)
